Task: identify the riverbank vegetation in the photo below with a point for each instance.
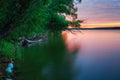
(26, 18)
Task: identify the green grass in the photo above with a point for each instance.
(7, 48)
(10, 50)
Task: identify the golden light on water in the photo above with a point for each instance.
(91, 39)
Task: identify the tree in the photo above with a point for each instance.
(26, 17)
(59, 9)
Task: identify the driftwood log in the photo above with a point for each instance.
(23, 41)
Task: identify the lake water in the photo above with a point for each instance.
(98, 56)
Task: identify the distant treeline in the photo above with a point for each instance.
(99, 28)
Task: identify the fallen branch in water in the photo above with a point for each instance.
(23, 41)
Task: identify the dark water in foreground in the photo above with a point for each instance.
(98, 57)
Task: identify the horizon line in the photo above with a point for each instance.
(96, 28)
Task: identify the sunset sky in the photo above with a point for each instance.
(99, 13)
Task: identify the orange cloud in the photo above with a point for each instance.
(102, 24)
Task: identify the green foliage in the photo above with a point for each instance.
(10, 50)
(3, 11)
(34, 21)
(63, 6)
(56, 23)
(60, 6)
(75, 23)
(7, 48)
(28, 17)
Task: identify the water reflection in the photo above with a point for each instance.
(98, 55)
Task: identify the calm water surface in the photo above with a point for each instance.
(98, 56)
